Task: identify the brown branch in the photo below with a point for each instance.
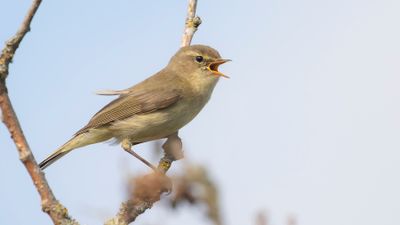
(149, 188)
(57, 212)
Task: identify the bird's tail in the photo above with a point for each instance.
(52, 158)
(77, 141)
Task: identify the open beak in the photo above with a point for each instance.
(213, 67)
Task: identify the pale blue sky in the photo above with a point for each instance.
(307, 125)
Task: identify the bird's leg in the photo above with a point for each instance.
(126, 144)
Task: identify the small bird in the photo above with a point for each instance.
(156, 107)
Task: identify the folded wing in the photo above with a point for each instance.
(130, 104)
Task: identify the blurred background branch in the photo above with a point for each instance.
(197, 188)
(261, 218)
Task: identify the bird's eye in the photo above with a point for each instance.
(199, 58)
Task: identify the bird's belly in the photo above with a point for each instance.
(156, 125)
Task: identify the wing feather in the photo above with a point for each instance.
(132, 104)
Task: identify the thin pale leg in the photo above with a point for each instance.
(127, 146)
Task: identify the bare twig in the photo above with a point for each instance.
(149, 188)
(57, 212)
(191, 25)
(12, 44)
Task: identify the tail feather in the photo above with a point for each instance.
(77, 141)
(51, 159)
(60, 152)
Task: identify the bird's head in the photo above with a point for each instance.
(198, 60)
